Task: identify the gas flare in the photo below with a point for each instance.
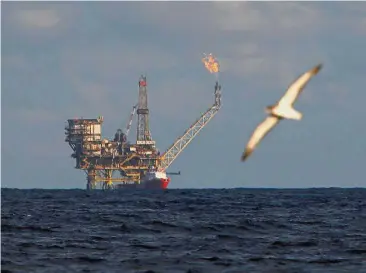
(211, 63)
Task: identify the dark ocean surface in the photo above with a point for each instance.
(238, 230)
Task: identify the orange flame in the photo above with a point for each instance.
(211, 63)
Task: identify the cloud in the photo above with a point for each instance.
(38, 18)
(210, 18)
(174, 16)
(38, 23)
(259, 17)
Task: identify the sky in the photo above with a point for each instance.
(83, 59)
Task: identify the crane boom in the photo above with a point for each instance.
(181, 143)
(128, 127)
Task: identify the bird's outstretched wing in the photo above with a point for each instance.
(298, 85)
(259, 133)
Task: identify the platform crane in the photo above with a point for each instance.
(128, 127)
(181, 143)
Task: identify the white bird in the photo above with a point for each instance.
(283, 109)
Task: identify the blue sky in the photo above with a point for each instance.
(66, 60)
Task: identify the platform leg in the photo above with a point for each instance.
(108, 184)
(91, 183)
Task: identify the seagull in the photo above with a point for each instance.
(283, 109)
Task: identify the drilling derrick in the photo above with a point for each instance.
(143, 130)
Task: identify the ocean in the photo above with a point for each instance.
(185, 231)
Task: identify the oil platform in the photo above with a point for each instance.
(117, 163)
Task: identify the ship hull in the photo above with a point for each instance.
(153, 184)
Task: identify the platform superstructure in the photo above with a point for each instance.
(117, 163)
